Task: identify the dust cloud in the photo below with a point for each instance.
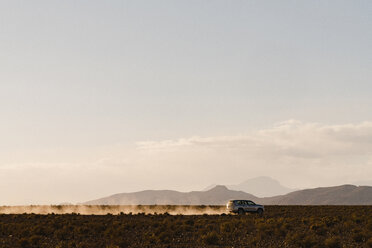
(114, 209)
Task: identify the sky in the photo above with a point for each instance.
(103, 97)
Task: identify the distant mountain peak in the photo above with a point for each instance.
(219, 188)
(261, 186)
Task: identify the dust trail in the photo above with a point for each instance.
(114, 209)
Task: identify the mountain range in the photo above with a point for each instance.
(219, 195)
(215, 196)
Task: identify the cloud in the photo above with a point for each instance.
(291, 138)
(298, 154)
(293, 151)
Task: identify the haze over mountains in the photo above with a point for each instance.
(363, 183)
(219, 195)
(259, 186)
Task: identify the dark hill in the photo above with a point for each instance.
(338, 195)
(218, 195)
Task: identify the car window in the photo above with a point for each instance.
(251, 203)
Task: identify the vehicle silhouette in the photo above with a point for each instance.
(244, 206)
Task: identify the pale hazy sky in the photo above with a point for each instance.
(101, 97)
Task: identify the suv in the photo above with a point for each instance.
(243, 206)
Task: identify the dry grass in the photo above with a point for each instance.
(281, 226)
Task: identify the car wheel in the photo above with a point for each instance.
(260, 211)
(241, 211)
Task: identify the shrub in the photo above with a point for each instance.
(333, 242)
(24, 243)
(35, 240)
(369, 243)
(319, 229)
(294, 238)
(359, 236)
(122, 243)
(308, 241)
(165, 237)
(211, 238)
(189, 222)
(226, 227)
